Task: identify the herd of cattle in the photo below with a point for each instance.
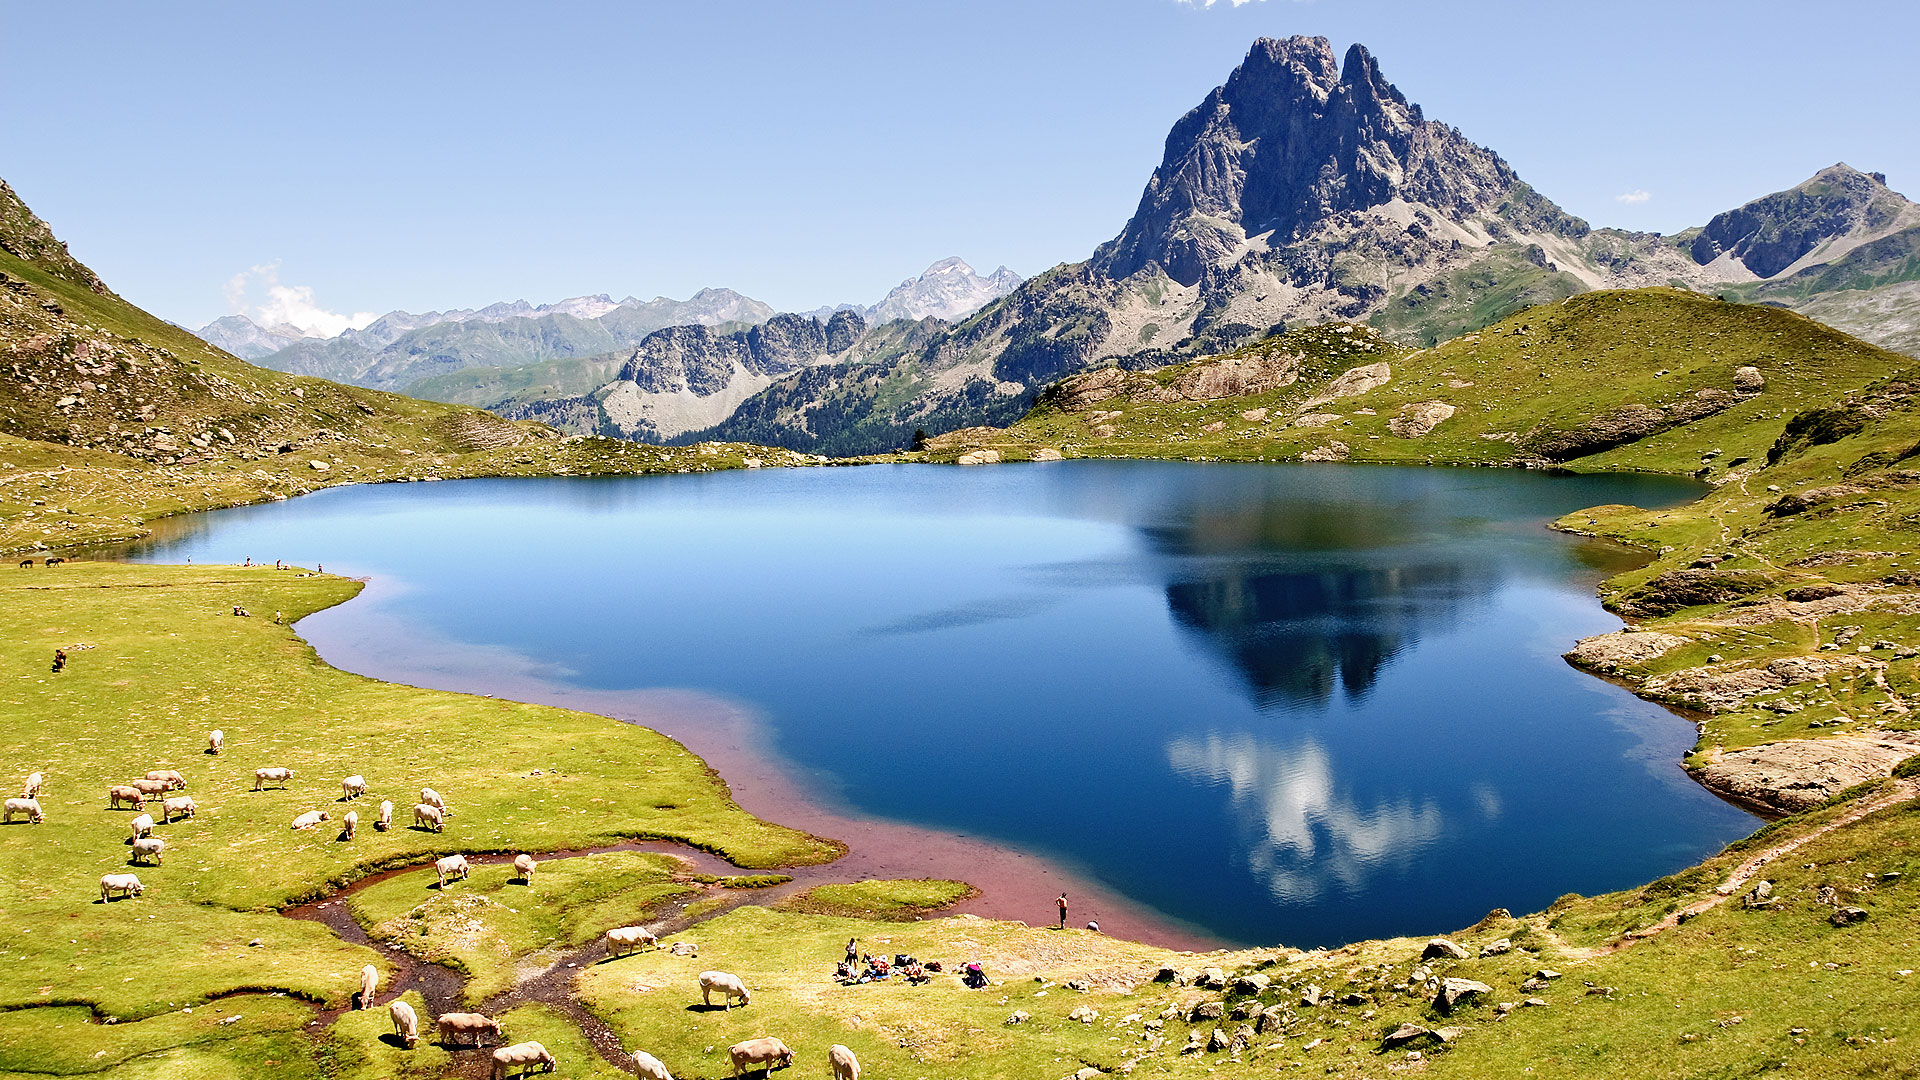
(429, 813)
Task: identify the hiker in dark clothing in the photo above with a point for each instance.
(1062, 902)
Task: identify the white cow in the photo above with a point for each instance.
(727, 985)
(428, 816)
(406, 1023)
(369, 982)
(214, 739)
(124, 884)
(150, 847)
(309, 819)
(180, 804)
(353, 787)
(33, 785)
(649, 1066)
(622, 940)
(524, 864)
(273, 774)
(27, 805)
(141, 826)
(521, 1055)
(386, 816)
(845, 1066)
(453, 866)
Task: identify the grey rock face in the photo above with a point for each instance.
(1771, 233)
(1292, 139)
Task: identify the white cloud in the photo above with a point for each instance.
(1637, 195)
(257, 293)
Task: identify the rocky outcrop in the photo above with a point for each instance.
(1351, 383)
(1676, 589)
(949, 290)
(1419, 419)
(1799, 774)
(1611, 654)
(1720, 687)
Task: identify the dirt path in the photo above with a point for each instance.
(1903, 791)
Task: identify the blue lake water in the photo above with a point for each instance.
(1305, 704)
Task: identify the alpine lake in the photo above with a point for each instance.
(1300, 704)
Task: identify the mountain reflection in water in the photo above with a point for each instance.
(1301, 704)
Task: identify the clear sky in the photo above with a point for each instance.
(436, 155)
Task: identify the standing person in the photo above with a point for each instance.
(1062, 904)
(853, 953)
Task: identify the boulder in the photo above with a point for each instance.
(1748, 380)
(1333, 451)
(1212, 978)
(1310, 996)
(1454, 991)
(1251, 984)
(978, 457)
(1272, 1018)
(1847, 916)
(1084, 1014)
(1404, 1035)
(1417, 420)
(1046, 453)
(1019, 1017)
(1207, 1010)
(1254, 416)
(1242, 1038)
(1442, 948)
(1759, 896)
(1497, 947)
(1218, 1041)
(1351, 383)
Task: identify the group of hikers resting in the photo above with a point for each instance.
(865, 968)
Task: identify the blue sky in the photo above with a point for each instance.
(423, 155)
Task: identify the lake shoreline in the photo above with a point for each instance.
(1013, 885)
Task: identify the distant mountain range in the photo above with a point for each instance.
(402, 348)
(1304, 189)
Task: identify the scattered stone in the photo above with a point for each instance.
(1272, 1018)
(1251, 984)
(1217, 425)
(1403, 1035)
(1254, 416)
(1759, 896)
(1748, 380)
(1315, 419)
(1242, 1038)
(1078, 984)
(1084, 1014)
(1449, 1034)
(1244, 1009)
(1534, 1003)
(256, 943)
(1847, 916)
(1333, 451)
(1207, 1010)
(1454, 991)
(318, 466)
(1310, 996)
(1600, 991)
(1020, 1016)
(979, 457)
(1355, 999)
(1212, 978)
(1441, 947)
(1497, 947)
(1195, 1042)
(234, 1019)
(1047, 453)
(1218, 1041)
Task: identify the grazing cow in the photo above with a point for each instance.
(26, 564)
(55, 560)
(622, 940)
(35, 781)
(353, 787)
(650, 1067)
(349, 823)
(522, 1056)
(406, 1023)
(151, 788)
(120, 793)
(728, 986)
(466, 1028)
(524, 864)
(174, 780)
(453, 866)
(768, 1054)
(182, 805)
(845, 1066)
(149, 847)
(432, 798)
(214, 739)
(273, 774)
(27, 806)
(141, 826)
(428, 817)
(125, 884)
(386, 816)
(369, 982)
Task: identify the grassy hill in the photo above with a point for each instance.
(110, 417)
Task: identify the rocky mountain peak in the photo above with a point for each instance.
(949, 289)
(1774, 232)
(1288, 141)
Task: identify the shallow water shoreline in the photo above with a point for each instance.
(1013, 885)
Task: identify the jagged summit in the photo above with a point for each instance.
(1288, 141)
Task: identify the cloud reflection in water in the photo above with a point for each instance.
(1303, 837)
